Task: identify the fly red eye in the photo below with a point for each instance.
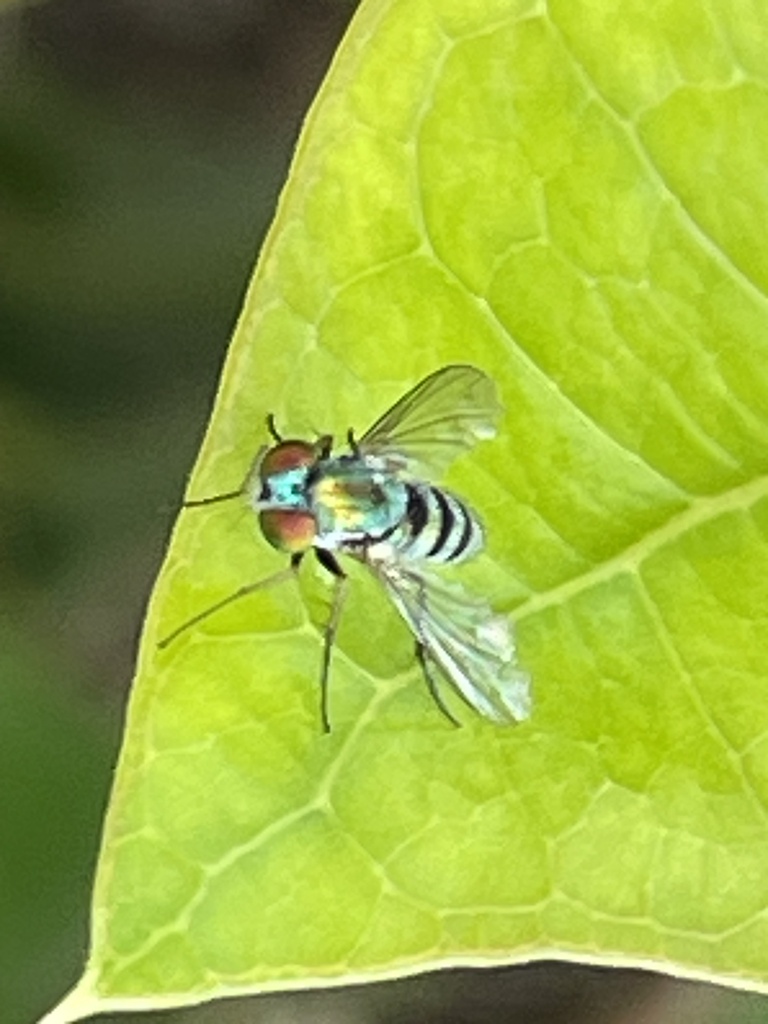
(288, 530)
(287, 455)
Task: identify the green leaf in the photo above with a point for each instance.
(572, 197)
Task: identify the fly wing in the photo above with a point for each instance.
(471, 645)
(443, 416)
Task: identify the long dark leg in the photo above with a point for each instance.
(249, 588)
(327, 560)
(422, 655)
(426, 667)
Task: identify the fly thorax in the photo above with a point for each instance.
(351, 500)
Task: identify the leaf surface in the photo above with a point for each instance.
(572, 197)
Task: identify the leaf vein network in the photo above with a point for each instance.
(698, 231)
(698, 512)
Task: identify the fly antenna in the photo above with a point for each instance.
(214, 499)
(324, 445)
(244, 488)
(273, 431)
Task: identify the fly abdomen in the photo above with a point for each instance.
(437, 527)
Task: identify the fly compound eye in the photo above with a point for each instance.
(288, 530)
(286, 456)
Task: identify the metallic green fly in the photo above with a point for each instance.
(374, 504)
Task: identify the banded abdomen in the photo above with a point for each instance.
(357, 506)
(436, 527)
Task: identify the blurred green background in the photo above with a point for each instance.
(142, 147)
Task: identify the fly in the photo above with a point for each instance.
(375, 504)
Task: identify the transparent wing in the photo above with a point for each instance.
(443, 416)
(472, 646)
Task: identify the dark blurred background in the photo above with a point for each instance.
(142, 147)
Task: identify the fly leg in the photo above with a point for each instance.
(249, 588)
(340, 579)
(354, 447)
(422, 655)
